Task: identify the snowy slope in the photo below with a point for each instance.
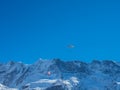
(2, 87)
(60, 75)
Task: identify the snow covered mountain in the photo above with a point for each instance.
(60, 75)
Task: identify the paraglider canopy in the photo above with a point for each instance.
(48, 73)
(71, 46)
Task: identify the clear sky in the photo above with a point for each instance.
(33, 29)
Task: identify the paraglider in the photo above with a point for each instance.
(71, 46)
(48, 73)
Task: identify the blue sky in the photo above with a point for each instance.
(33, 29)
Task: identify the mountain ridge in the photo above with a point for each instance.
(63, 75)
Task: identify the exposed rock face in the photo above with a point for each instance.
(63, 75)
(57, 87)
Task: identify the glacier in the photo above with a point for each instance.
(58, 74)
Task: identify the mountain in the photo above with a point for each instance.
(60, 75)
